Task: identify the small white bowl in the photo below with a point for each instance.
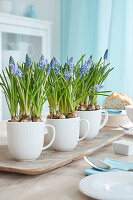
(124, 147)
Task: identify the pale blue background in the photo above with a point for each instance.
(92, 26)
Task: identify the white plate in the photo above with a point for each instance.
(108, 186)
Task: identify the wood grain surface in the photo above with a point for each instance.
(61, 183)
(50, 159)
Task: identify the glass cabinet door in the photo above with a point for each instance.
(18, 36)
(18, 46)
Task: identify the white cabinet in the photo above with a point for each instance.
(18, 35)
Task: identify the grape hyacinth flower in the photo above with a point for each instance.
(67, 75)
(14, 71)
(105, 58)
(42, 62)
(11, 62)
(85, 68)
(68, 69)
(55, 64)
(105, 55)
(28, 61)
(103, 70)
(12, 66)
(19, 73)
(69, 65)
(48, 69)
(97, 88)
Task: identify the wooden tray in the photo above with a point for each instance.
(50, 159)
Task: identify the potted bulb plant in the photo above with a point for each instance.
(62, 101)
(24, 88)
(93, 75)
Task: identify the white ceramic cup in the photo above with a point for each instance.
(67, 132)
(94, 119)
(129, 111)
(25, 139)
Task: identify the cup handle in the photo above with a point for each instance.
(88, 127)
(53, 138)
(105, 118)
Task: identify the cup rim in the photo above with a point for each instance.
(25, 122)
(89, 110)
(78, 117)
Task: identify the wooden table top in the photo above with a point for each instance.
(61, 184)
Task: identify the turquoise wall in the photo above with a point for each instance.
(91, 26)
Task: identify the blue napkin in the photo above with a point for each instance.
(111, 163)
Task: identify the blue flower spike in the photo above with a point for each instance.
(98, 88)
(19, 73)
(105, 55)
(85, 68)
(14, 71)
(68, 69)
(42, 62)
(103, 70)
(90, 61)
(69, 65)
(28, 61)
(48, 69)
(42, 57)
(55, 64)
(11, 61)
(12, 66)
